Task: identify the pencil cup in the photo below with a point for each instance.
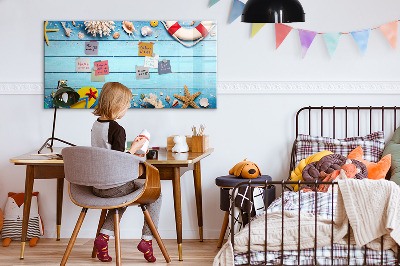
(200, 143)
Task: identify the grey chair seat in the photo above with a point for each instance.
(83, 196)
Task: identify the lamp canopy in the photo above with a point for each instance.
(273, 11)
(65, 96)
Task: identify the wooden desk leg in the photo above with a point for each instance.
(27, 206)
(176, 184)
(223, 229)
(60, 190)
(199, 204)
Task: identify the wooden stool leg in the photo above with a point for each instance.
(73, 237)
(117, 239)
(101, 222)
(223, 229)
(154, 230)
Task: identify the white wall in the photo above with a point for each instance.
(258, 127)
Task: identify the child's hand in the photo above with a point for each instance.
(137, 144)
(142, 155)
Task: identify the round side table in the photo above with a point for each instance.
(228, 182)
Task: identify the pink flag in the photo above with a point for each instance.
(306, 39)
(389, 30)
(281, 31)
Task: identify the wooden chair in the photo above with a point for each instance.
(85, 167)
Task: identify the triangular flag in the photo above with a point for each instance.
(390, 32)
(255, 28)
(306, 39)
(281, 31)
(213, 2)
(332, 41)
(361, 37)
(237, 8)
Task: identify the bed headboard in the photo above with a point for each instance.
(344, 121)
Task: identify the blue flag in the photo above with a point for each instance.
(237, 8)
(361, 37)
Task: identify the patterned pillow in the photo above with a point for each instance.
(372, 145)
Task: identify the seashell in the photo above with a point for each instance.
(192, 23)
(81, 35)
(128, 27)
(146, 31)
(204, 102)
(116, 35)
(175, 103)
(154, 23)
(213, 33)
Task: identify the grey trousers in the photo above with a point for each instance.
(153, 208)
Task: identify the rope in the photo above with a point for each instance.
(341, 32)
(184, 44)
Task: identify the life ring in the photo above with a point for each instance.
(188, 34)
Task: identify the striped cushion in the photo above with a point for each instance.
(13, 228)
(372, 145)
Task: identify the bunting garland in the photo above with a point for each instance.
(281, 31)
(213, 2)
(361, 37)
(256, 27)
(306, 39)
(332, 41)
(389, 30)
(237, 8)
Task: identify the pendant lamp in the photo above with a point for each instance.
(273, 11)
(63, 97)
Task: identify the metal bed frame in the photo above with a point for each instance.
(283, 184)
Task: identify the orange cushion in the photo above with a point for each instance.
(375, 170)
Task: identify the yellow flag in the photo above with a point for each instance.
(255, 28)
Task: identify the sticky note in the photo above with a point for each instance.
(151, 61)
(95, 78)
(145, 48)
(101, 67)
(164, 67)
(82, 65)
(142, 72)
(91, 48)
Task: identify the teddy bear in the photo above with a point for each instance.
(13, 215)
(180, 144)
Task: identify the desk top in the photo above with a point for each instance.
(164, 157)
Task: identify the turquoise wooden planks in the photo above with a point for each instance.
(127, 64)
(173, 80)
(194, 67)
(131, 48)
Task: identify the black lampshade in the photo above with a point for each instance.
(273, 11)
(65, 96)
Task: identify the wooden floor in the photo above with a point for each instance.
(50, 252)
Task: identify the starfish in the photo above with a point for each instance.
(47, 30)
(91, 94)
(188, 99)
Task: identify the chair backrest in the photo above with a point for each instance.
(92, 166)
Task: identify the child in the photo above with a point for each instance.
(114, 101)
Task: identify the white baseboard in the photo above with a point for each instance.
(260, 87)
